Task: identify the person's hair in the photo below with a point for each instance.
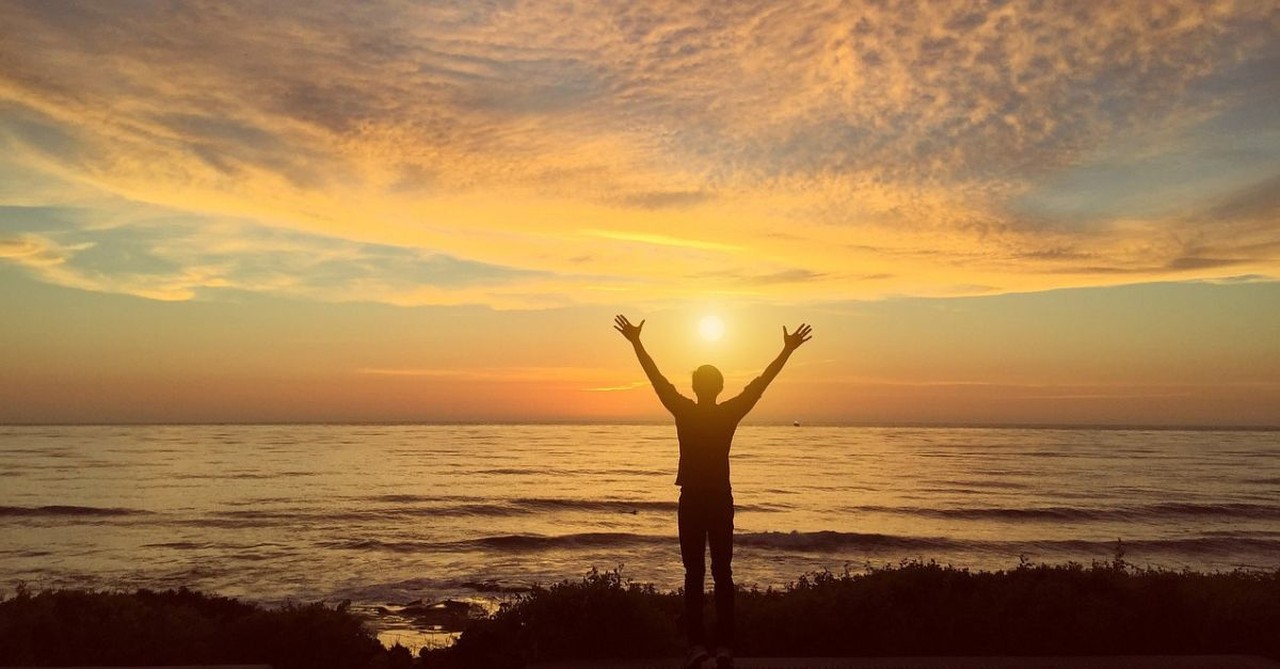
(707, 380)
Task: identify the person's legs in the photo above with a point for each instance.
(720, 536)
(691, 520)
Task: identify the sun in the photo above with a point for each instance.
(711, 328)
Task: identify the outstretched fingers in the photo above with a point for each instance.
(624, 326)
(800, 336)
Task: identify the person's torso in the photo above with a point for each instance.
(706, 435)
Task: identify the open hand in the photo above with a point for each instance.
(631, 332)
(792, 341)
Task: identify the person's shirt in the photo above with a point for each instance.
(706, 434)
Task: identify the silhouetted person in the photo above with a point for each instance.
(705, 430)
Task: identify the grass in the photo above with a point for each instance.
(175, 627)
(914, 608)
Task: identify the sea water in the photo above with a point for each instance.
(389, 514)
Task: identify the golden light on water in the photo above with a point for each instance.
(711, 328)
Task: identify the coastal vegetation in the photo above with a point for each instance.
(181, 627)
(913, 608)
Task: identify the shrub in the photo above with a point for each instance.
(915, 608)
(77, 627)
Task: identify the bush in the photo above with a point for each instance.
(915, 608)
(76, 627)
(603, 616)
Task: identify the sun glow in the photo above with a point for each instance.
(711, 328)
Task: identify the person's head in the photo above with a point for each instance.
(707, 382)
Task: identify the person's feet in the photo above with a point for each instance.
(697, 655)
(724, 658)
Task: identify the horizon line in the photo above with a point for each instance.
(1168, 427)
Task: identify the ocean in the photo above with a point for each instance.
(385, 515)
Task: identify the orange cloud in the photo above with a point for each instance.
(651, 151)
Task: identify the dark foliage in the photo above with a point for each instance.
(928, 609)
(75, 627)
(602, 616)
(912, 609)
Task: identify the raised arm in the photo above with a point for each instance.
(790, 342)
(666, 392)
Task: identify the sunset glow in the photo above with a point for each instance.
(711, 328)
(990, 213)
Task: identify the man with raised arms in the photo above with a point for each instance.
(705, 431)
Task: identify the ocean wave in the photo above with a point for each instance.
(526, 505)
(242, 475)
(820, 541)
(990, 484)
(290, 515)
(505, 542)
(830, 542)
(1202, 545)
(1124, 513)
(182, 545)
(379, 545)
(406, 498)
(521, 507)
(527, 542)
(1235, 510)
(601, 505)
(382, 545)
(454, 505)
(431, 508)
(58, 510)
(505, 508)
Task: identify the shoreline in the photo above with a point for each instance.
(912, 609)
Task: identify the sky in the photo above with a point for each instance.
(990, 212)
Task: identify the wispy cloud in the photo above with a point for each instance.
(666, 199)
(181, 260)
(623, 388)
(505, 374)
(54, 263)
(661, 240)
(35, 251)
(1011, 146)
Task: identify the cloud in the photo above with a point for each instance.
(786, 276)
(665, 199)
(599, 151)
(614, 389)
(1257, 203)
(54, 263)
(660, 240)
(561, 375)
(754, 278)
(181, 261)
(33, 251)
